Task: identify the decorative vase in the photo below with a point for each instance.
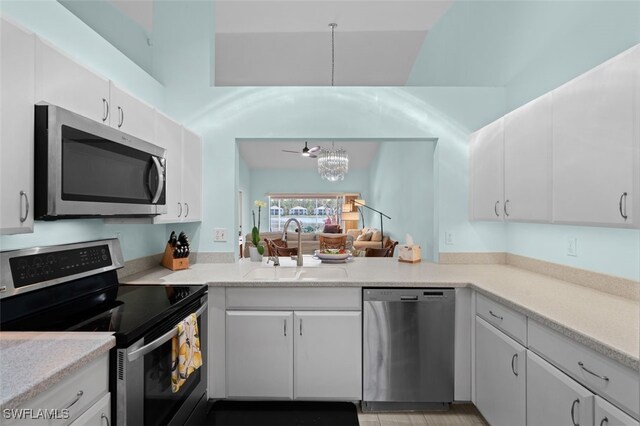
(254, 255)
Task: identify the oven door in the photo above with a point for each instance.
(143, 384)
(84, 168)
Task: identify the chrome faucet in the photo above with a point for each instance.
(284, 234)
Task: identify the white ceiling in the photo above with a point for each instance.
(274, 43)
(267, 154)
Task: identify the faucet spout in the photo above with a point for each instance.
(299, 230)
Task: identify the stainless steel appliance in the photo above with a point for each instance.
(75, 287)
(86, 169)
(408, 348)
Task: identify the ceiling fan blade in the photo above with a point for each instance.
(295, 152)
(315, 149)
(312, 156)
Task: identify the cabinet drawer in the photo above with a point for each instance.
(99, 414)
(587, 366)
(76, 393)
(307, 299)
(507, 320)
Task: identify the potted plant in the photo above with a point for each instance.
(257, 250)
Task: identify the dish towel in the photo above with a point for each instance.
(185, 352)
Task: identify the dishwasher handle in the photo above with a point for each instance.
(408, 298)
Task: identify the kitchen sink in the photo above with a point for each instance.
(279, 273)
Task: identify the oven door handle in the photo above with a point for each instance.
(132, 356)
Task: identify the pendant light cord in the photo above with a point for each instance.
(333, 49)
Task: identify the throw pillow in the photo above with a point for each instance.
(331, 229)
(365, 237)
(377, 235)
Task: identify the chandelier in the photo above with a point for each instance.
(333, 164)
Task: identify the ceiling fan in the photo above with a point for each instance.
(306, 151)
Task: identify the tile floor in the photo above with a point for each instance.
(458, 415)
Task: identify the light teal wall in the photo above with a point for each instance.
(55, 23)
(402, 186)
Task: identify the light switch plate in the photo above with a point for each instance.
(448, 238)
(572, 246)
(220, 234)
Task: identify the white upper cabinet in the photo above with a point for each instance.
(169, 137)
(63, 82)
(17, 57)
(594, 151)
(486, 171)
(527, 162)
(131, 115)
(191, 176)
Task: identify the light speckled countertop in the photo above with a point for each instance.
(32, 362)
(606, 323)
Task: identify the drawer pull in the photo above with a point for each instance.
(496, 316)
(513, 362)
(605, 378)
(573, 407)
(106, 418)
(76, 399)
(285, 328)
(604, 421)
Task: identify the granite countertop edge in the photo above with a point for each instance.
(63, 371)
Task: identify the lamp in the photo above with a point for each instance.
(360, 203)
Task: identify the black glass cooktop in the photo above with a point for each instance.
(127, 310)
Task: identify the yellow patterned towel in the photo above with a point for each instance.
(185, 352)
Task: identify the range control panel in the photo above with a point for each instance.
(35, 268)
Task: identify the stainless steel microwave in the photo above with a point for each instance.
(87, 169)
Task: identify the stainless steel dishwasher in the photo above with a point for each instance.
(408, 350)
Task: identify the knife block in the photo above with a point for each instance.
(169, 262)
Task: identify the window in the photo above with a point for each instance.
(313, 211)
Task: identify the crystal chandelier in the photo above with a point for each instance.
(333, 164)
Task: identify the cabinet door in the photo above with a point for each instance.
(63, 82)
(192, 175)
(328, 355)
(486, 189)
(593, 146)
(260, 354)
(99, 414)
(17, 58)
(606, 414)
(553, 398)
(500, 376)
(527, 162)
(169, 137)
(131, 115)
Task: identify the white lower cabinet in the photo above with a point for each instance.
(99, 414)
(500, 376)
(327, 355)
(266, 350)
(606, 414)
(553, 398)
(260, 354)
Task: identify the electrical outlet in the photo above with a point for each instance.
(220, 234)
(117, 235)
(572, 246)
(448, 238)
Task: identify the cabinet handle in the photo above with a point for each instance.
(506, 213)
(301, 326)
(603, 421)
(26, 202)
(495, 208)
(106, 418)
(573, 407)
(76, 399)
(180, 212)
(513, 361)
(187, 207)
(581, 364)
(285, 328)
(623, 214)
(105, 109)
(496, 316)
(120, 116)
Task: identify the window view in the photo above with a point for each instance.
(312, 212)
